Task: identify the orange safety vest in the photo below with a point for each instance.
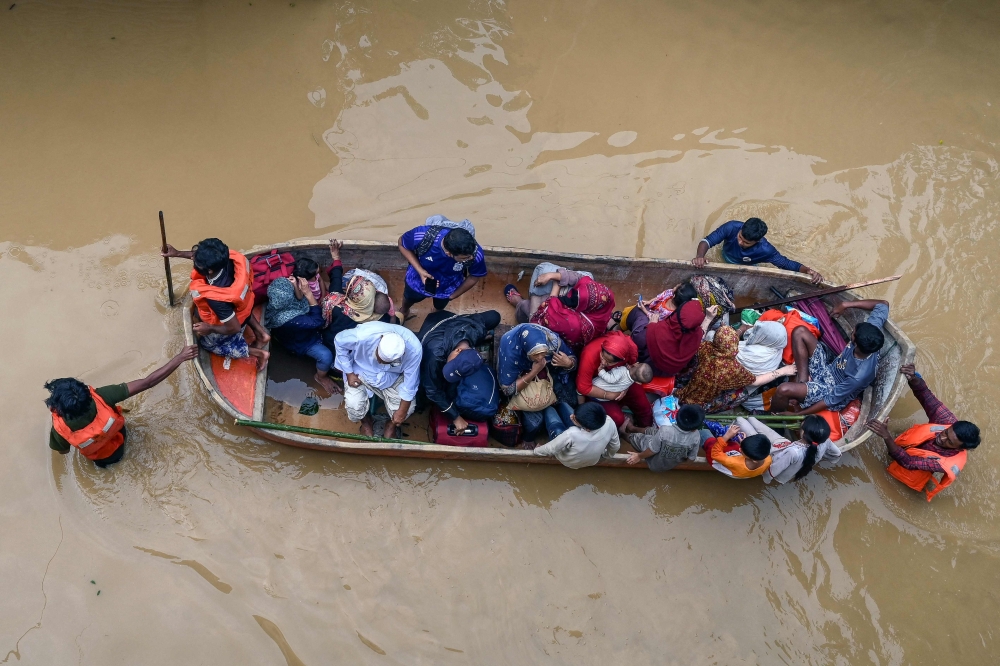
(919, 479)
(238, 293)
(101, 437)
(791, 321)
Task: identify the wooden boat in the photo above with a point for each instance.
(244, 393)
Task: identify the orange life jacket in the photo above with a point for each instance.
(919, 479)
(791, 321)
(238, 293)
(101, 437)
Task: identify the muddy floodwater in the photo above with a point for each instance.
(864, 133)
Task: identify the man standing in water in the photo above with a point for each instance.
(744, 243)
(936, 447)
(220, 287)
(90, 419)
(445, 262)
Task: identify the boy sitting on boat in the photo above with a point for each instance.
(592, 436)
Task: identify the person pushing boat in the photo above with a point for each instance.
(744, 243)
(937, 447)
(90, 420)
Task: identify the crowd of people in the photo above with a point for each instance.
(575, 369)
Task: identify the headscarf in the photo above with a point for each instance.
(762, 350)
(520, 342)
(282, 305)
(717, 369)
(618, 344)
(578, 325)
(672, 342)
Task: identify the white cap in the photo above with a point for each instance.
(391, 347)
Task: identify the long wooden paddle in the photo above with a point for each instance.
(823, 292)
(166, 262)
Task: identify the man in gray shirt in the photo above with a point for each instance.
(664, 447)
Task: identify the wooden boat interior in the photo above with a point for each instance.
(275, 394)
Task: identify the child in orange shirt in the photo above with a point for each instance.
(744, 460)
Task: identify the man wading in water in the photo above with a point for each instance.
(90, 419)
(937, 447)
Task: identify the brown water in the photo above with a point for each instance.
(864, 133)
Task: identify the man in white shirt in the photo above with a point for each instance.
(379, 359)
(593, 436)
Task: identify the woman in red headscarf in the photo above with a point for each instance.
(610, 351)
(580, 315)
(672, 342)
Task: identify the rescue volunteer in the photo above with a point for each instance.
(220, 286)
(936, 447)
(90, 419)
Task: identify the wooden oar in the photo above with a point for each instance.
(324, 433)
(166, 262)
(822, 292)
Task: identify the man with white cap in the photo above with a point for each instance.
(379, 359)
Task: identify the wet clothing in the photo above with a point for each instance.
(760, 252)
(449, 273)
(439, 336)
(847, 376)
(670, 446)
(576, 447)
(936, 413)
(112, 395)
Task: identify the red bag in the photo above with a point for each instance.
(269, 267)
(437, 431)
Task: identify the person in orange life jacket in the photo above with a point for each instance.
(220, 286)
(90, 420)
(937, 447)
(821, 384)
(744, 243)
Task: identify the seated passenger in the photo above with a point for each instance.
(926, 449)
(578, 315)
(90, 419)
(295, 320)
(445, 262)
(308, 269)
(666, 446)
(477, 396)
(823, 384)
(365, 298)
(760, 353)
(670, 343)
(444, 336)
(529, 352)
(717, 372)
(220, 288)
(379, 359)
(610, 352)
(593, 436)
(791, 461)
(744, 243)
(745, 460)
(540, 290)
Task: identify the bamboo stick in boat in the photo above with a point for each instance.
(324, 433)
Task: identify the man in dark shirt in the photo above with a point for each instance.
(744, 243)
(961, 435)
(70, 399)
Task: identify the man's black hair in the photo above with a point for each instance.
(306, 268)
(690, 417)
(590, 415)
(460, 243)
(968, 433)
(754, 229)
(868, 337)
(70, 398)
(756, 447)
(210, 256)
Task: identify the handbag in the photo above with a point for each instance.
(269, 267)
(535, 397)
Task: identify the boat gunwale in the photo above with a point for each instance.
(493, 454)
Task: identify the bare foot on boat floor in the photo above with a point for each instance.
(366, 427)
(262, 357)
(326, 383)
(260, 341)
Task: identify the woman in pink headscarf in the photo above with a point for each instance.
(581, 314)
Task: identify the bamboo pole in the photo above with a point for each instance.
(324, 433)
(822, 292)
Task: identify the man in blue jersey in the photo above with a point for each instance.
(744, 243)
